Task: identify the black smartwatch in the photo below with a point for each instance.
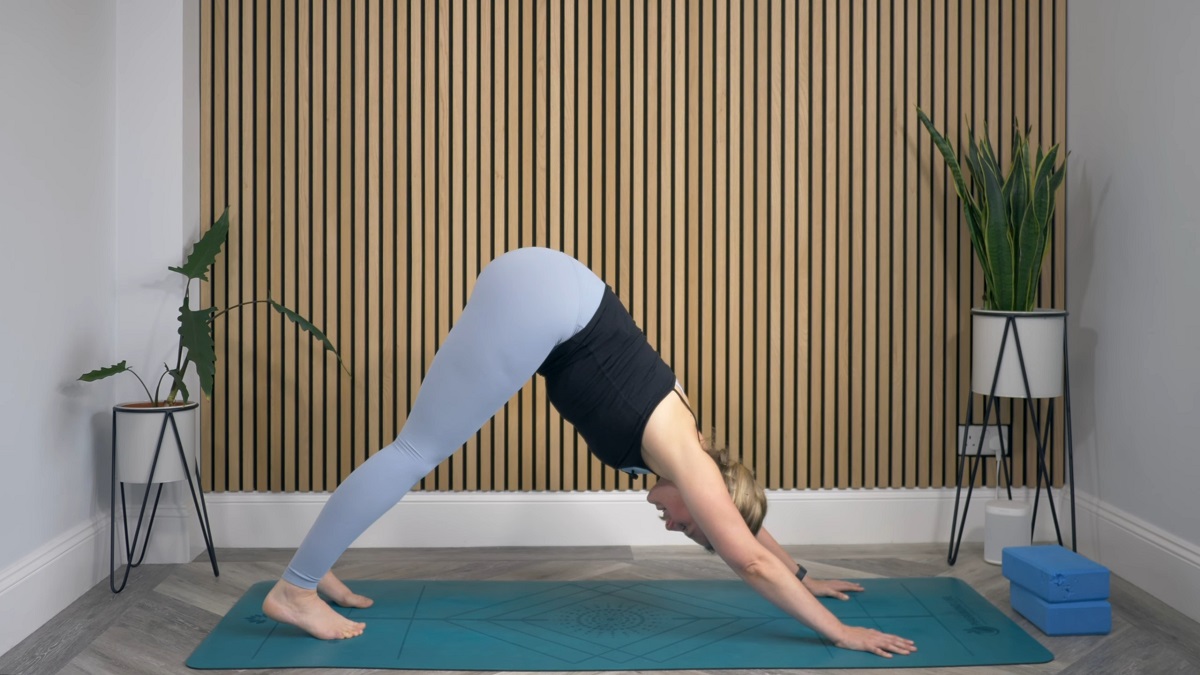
(802, 572)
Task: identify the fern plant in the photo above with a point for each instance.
(196, 344)
(1008, 215)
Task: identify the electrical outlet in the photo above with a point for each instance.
(990, 440)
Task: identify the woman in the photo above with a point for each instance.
(538, 310)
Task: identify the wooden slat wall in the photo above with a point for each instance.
(750, 177)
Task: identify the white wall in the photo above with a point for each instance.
(1133, 283)
(158, 196)
(98, 195)
(57, 273)
(158, 164)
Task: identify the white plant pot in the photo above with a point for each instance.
(1041, 334)
(1006, 523)
(137, 432)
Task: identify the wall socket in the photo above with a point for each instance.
(990, 440)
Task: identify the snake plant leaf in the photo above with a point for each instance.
(311, 329)
(1020, 142)
(1016, 191)
(1046, 170)
(947, 150)
(1042, 206)
(970, 207)
(999, 241)
(979, 246)
(204, 254)
(982, 216)
(973, 156)
(1029, 258)
(973, 162)
(976, 160)
(975, 225)
(1057, 179)
(101, 373)
(195, 334)
(987, 154)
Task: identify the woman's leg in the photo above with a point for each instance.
(523, 304)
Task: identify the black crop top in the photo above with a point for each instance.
(606, 381)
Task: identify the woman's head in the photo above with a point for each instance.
(748, 497)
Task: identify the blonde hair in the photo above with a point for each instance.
(748, 496)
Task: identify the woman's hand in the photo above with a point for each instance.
(871, 640)
(831, 588)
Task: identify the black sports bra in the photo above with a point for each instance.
(606, 381)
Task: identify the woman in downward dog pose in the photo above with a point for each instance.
(536, 310)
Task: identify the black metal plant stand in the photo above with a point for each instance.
(197, 500)
(1039, 417)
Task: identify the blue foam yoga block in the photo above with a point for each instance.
(1085, 617)
(1055, 574)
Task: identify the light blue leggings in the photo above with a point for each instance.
(524, 304)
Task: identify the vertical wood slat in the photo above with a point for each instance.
(749, 177)
(211, 81)
(240, 322)
(256, 282)
(281, 369)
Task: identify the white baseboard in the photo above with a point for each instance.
(431, 519)
(46, 581)
(1155, 561)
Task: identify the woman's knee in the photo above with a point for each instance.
(416, 458)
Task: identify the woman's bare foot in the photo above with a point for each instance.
(335, 590)
(290, 604)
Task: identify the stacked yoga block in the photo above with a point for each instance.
(1059, 591)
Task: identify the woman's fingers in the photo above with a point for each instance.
(877, 642)
(832, 588)
(886, 645)
(900, 645)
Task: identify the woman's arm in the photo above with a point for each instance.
(672, 451)
(776, 550)
(831, 588)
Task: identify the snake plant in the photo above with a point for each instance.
(196, 344)
(1008, 216)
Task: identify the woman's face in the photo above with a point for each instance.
(666, 498)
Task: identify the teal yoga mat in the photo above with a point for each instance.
(619, 625)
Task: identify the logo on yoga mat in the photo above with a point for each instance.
(975, 625)
(611, 620)
(256, 618)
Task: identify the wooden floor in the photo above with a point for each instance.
(154, 625)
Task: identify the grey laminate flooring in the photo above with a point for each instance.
(153, 626)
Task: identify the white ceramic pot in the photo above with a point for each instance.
(1041, 345)
(138, 426)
